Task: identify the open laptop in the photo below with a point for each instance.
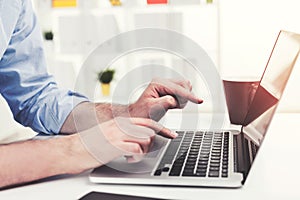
(213, 158)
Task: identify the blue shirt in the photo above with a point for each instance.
(32, 94)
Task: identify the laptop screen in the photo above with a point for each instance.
(271, 86)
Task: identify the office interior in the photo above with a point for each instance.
(237, 35)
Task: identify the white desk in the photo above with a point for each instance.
(274, 175)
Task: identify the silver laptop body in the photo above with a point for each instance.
(212, 158)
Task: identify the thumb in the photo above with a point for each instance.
(160, 106)
(167, 102)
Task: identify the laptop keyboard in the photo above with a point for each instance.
(196, 154)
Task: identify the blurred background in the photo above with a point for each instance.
(237, 35)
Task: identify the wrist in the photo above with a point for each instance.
(130, 110)
(135, 110)
(80, 158)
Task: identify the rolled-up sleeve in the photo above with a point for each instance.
(32, 94)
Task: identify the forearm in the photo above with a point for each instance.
(87, 115)
(32, 160)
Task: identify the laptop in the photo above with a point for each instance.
(212, 158)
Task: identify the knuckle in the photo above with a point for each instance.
(152, 132)
(170, 100)
(136, 148)
(148, 141)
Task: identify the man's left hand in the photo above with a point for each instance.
(161, 95)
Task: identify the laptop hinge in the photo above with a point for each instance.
(241, 155)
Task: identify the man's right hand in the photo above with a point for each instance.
(129, 137)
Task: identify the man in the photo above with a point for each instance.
(94, 133)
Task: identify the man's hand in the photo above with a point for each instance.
(129, 137)
(161, 95)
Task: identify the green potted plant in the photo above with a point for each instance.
(48, 35)
(105, 77)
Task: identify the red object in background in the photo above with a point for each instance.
(157, 1)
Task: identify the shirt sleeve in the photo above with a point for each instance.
(32, 94)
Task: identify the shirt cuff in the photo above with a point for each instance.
(71, 102)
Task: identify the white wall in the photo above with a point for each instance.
(248, 32)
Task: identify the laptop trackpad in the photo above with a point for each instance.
(144, 166)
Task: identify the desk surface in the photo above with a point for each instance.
(274, 175)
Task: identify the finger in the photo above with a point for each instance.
(162, 104)
(134, 158)
(181, 102)
(144, 143)
(190, 85)
(167, 102)
(135, 133)
(183, 83)
(157, 127)
(131, 148)
(132, 130)
(170, 88)
(179, 82)
(133, 152)
(159, 106)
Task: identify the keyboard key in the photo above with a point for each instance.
(203, 151)
(213, 173)
(201, 167)
(199, 133)
(201, 170)
(214, 169)
(195, 148)
(189, 167)
(224, 170)
(214, 164)
(157, 173)
(174, 173)
(224, 166)
(193, 153)
(191, 163)
(216, 154)
(204, 155)
(215, 160)
(165, 169)
(202, 162)
(216, 151)
(190, 133)
(180, 133)
(200, 174)
(188, 172)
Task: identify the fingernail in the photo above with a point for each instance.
(130, 160)
(174, 134)
(200, 101)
